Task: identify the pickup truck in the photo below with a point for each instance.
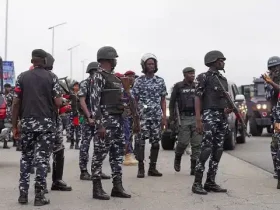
(236, 133)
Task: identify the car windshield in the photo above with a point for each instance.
(259, 89)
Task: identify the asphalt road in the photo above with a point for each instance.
(255, 151)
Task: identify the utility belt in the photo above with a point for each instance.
(114, 109)
(188, 113)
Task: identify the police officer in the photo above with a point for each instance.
(75, 125)
(38, 125)
(129, 159)
(183, 94)
(272, 91)
(107, 109)
(210, 99)
(149, 91)
(58, 148)
(88, 126)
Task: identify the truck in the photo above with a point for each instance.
(259, 109)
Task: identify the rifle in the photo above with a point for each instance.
(64, 79)
(234, 107)
(177, 114)
(132, 104)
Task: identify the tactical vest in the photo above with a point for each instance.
(213, 97)
(111, 95)
(186, 97)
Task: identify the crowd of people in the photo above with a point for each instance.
(111, 110)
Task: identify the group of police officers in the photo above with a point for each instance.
(37, 106)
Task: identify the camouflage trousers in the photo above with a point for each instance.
(113, 143)
(88, 134)
(215, 127)
(187, 134)
(58, 143)
(128, 135)
(37, 147)
(73, 130)
(150, 129)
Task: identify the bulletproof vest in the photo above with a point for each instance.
(37, 98)
(111, 95)
(213, 97)
(186, 96)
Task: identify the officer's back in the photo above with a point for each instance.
(37, 100)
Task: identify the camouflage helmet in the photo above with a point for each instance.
(212, 57)
(50, 62)
(273, 61)
(106, 53)
(146, 57)
(92, 66)
(74, 83)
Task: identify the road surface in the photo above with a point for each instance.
(249, 187)
(255, 151)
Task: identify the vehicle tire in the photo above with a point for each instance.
(269, 130)
(230, 140)
(255, 130)
(167, 142)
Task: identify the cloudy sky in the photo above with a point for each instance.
(178, 32)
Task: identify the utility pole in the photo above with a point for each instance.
(53, 27)
(71, 59)
(83, 67)
(6, 30)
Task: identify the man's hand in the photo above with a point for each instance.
(15, 133)
(267, 78)
(199, 126)
(101, 132)
(90, 121)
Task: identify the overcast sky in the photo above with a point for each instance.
(178, 32)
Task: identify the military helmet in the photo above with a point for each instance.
(106, 53)
(50, 62)
(213, 56)
(74, 83)
(273, 61)
(146, 57)
(92, 66)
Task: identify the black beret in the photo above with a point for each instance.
(39, 53)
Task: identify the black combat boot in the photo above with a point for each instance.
(193, 164)
(210, 184)
(153, 161)
(77, 147)
(141, 170)
(58, 166)
(97, 190)
(104, 176)
(40, 199)
(177, 162)
(118, 190)
(197, 185)
(23, 198)
(85, 176)
(14, 143)
(5, 145)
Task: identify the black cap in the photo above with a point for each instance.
(39, 53)
(188, 69)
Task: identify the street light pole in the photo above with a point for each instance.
(52, 27)
(71, 67)
(83, 62)
(6, 30)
